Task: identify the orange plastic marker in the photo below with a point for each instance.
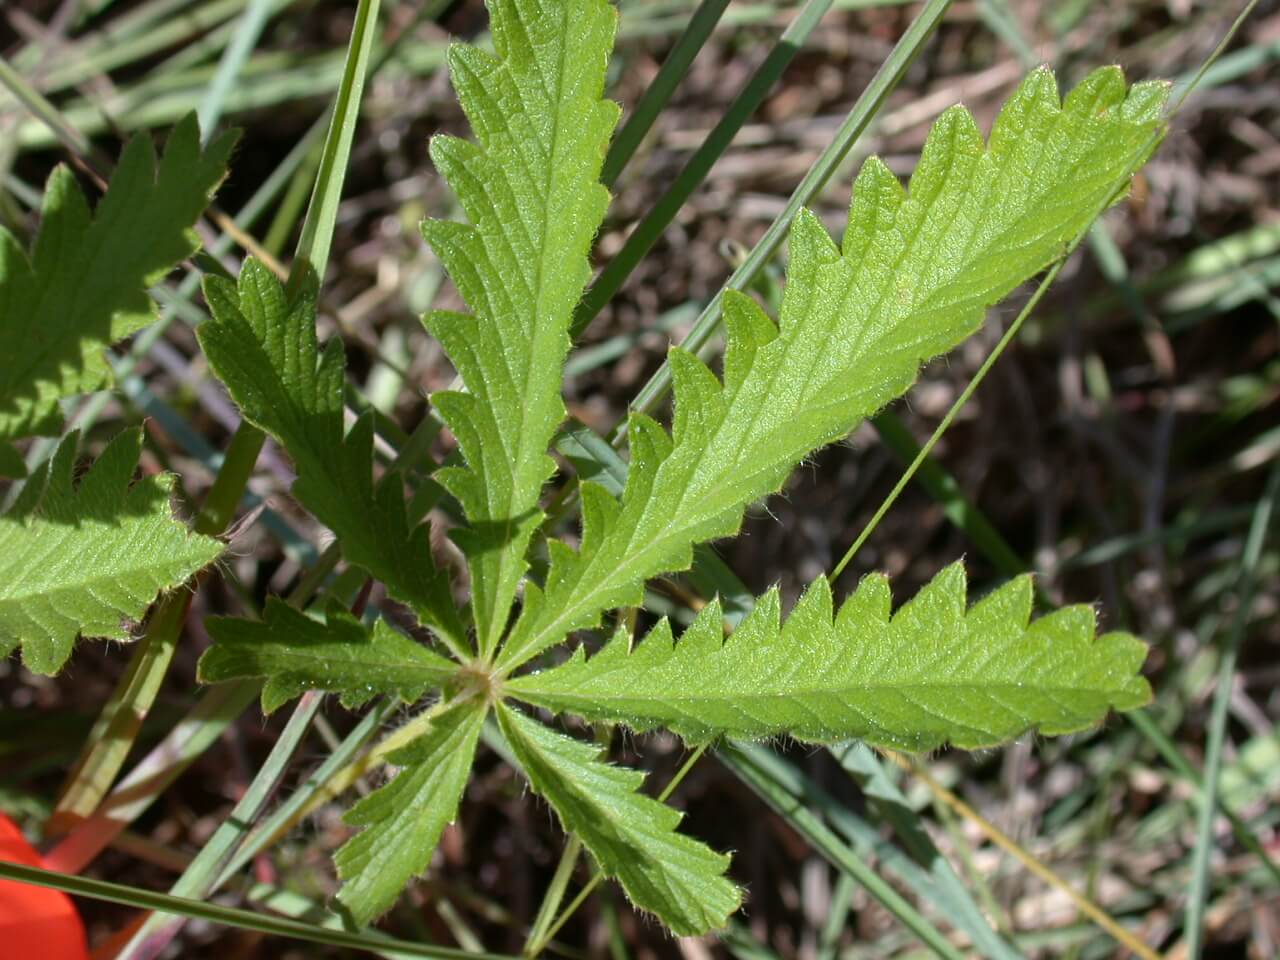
(35, 921)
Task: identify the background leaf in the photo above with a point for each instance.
(84, 287)
(341, 655)
(88, 559)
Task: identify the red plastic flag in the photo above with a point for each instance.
(35, 921)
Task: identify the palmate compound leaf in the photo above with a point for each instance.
(262, 346)
(84, 286)
(915, 273)
(530, 188)
(631, 836)
(403, 820)
(88, 559)
(930, 674)
(341, 655)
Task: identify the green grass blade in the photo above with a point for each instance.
(195, 733)
(366, 941)
(1199, 892)
(245, 38)
(268, 831)
(322, 213)
(949, 894)
(1148, 727)
(859, 116)
(747, 763)
(659, 217)
(200, 878)
(656, 95)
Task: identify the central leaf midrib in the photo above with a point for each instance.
(736, 696)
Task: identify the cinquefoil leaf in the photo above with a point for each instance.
(341, 655)
(403, 820)
(530, 188)
(263, 347)
(633, 837)
(88, 559)
(930, 674)
(84, 286)
(915, 273)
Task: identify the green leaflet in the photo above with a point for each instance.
(633, 837)
(263, 348)
(931, 674)
(87, 560)
(341, 655)
(915, 273)
(84, 287)
(403, 820)
(530, 187)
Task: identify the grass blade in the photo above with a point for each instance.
(246, 36)
(1198, 895)
(200, 877)
(366, 941)
(656, 95)
(747, 762)
(659, 217)
(859, 116)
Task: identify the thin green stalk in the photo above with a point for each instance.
(368, 941)
(1198, 894)
(940, 484)
(655, 97)
(1200, 75)
(553, 896)
(659, 217)
(859, 116)
(947, 420)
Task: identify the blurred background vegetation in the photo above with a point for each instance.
(1120, 449)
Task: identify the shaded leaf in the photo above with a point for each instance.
(263, 347)
(89, 559)
(341, 655)
(85, 284)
